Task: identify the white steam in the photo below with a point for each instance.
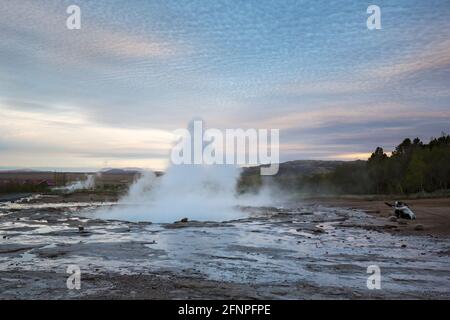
(197, 192)
(87, 184)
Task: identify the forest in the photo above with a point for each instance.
(412, 167)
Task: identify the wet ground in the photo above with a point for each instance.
(291, 252)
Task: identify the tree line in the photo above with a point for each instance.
(412, 167)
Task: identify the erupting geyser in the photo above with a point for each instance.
(196, 191)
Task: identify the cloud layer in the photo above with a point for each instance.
(112, 92)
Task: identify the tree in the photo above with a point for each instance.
(415, 174)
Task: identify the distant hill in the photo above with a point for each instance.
(119, 171)
(126, 171)
(25, 170)
(309, 167)
(302, 167)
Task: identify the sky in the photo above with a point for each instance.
(112, 93)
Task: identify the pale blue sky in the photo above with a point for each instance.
(111, 93)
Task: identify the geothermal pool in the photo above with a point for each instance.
(294, 251)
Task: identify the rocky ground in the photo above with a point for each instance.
(299, 251)
(432, 213)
